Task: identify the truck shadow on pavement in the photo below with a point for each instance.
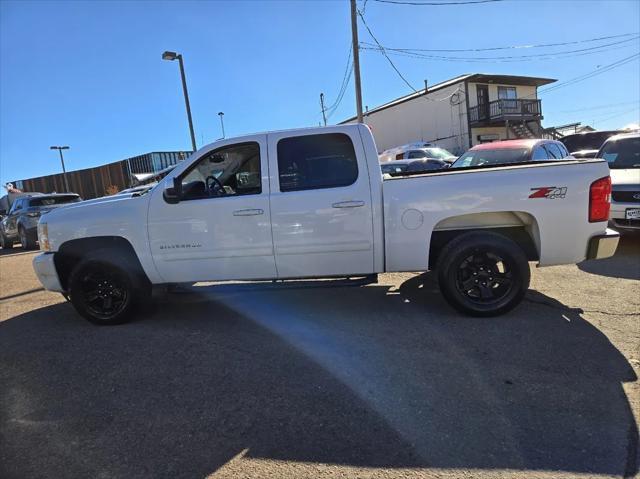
(624, 264)
(366, 377)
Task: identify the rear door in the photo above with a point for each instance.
(321, 208)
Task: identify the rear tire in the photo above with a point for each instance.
(483, 274)
(27, 242)
(104, 293)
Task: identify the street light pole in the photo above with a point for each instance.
(177, 56)
(64, 171)
(221, 115)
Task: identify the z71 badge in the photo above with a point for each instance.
(550, 192)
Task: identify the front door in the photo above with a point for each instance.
(483, 101)
(320, 204)
(220, 229)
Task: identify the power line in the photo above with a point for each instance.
(538, 56)
(344, 78)
(591, 74)
(616, 115)
(515, 47)
(600, 107)
(437, 4)
(382, 50)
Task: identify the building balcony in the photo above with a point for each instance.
(498, 111)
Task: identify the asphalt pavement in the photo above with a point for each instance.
(311, 380)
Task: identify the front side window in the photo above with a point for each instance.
(622, 153)
(316, 161)
(16, 206)
(228, 171)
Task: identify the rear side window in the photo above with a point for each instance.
(316, 161)
(539, 153)
(554, 151)
(417, 154)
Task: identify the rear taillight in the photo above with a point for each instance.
(600, 200)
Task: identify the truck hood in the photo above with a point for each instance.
(628, 176)
(99, 205)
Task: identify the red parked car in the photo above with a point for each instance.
(512, 151)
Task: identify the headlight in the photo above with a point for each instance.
(43, 236)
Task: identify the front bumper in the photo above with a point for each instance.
(46, 272)
(604, 245)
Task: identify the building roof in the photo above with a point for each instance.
(474, 77)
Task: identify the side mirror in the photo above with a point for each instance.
(172, 194)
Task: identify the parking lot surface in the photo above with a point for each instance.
(309, 380)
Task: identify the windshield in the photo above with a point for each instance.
(492, 157)
(586, 141)
(622, 153)
(439, 153)
(53, 200)
(435, 153)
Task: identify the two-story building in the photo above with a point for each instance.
(459, 113)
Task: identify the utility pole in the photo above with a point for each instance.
(64, 171)
(324, 117)
(356, 59)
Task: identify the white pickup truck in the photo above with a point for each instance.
(312, 203)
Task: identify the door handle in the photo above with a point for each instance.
(249, 212)
(348, 204)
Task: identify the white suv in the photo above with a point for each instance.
(622, 152)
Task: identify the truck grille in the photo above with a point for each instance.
(626, 196)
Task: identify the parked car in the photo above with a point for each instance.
(587, 144)
(581, 154)
(512, 151)
(311, 203)
(137, 189)
(415, 152)
(412, 166)
(20, 224)
(622, 152)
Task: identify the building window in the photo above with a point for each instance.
(507, 93)
(316, 161)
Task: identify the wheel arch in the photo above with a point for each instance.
(115, 249)
(521, 227)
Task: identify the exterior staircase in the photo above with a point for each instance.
(523, 131)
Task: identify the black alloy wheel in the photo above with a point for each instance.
(484, 277)
(104, 293)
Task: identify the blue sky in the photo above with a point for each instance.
(89, 74)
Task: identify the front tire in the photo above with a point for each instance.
(103, 293)
(27, 241)
(483, 274)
